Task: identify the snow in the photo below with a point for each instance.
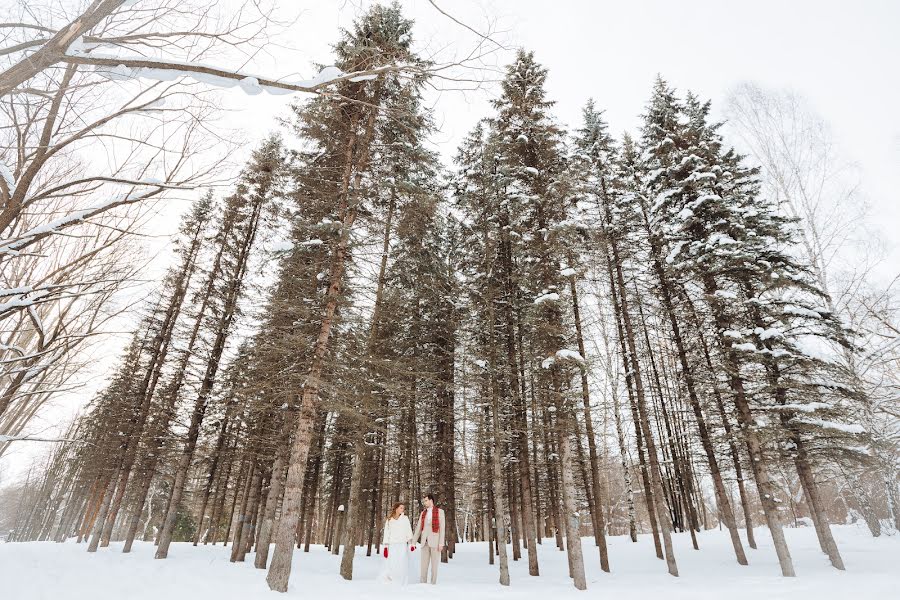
(675, 251)
(22, 301)
(31, 438)
(56, 224)
(282, 246)
(812, 347)
(50, 571)
(172, 70)
(22, 289)
(834, 385)
(807, 408)
(705, 197)
(551, 297)
(572, 355)
(250, 86)
(316, 242)
(567, 272)
(720, 239)
(769, 333)
(733, 334)
(845, 427)
(7, 176)
(80, 47)
(661, 198)
(800, 312)
(745, 347)
(368, 77)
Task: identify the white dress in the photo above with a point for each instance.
(397, 536)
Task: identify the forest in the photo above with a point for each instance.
(567, 336)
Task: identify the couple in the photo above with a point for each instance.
(398, 535)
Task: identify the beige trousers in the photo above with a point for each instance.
(429, 556)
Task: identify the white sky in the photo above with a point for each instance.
(843, 58)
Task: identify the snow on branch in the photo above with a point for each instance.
(547, 297)
(843, 427)
(14, 245)
(563, 356)
(26, 438)
(169, 70)
(572, 355)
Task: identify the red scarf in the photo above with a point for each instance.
(435, 520)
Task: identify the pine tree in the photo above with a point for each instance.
(161, 322)
(259, 182)
(407, 198)
(611, 182)
(346, 132)
(666, 179)
(199, 219)
(511, 186)
(737, 245)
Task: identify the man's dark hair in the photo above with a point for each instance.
(429, 495)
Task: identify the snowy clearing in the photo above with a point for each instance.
(49, 571)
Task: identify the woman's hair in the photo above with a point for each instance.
(393, 513)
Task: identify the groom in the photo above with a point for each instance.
(430, 533)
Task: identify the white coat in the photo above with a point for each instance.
(397, 536)
(397, 531)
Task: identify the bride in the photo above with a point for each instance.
(397, 536)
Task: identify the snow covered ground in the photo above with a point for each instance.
(48, 571)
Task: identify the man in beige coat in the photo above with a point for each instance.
(429, 534)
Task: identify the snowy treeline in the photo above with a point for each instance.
(561, 334)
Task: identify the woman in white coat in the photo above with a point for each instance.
(396, 540)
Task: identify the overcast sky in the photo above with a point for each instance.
(842, 57)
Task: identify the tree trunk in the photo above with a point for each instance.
(764, 484)
(242, 515)
(571, 515)
(280, 568)
(653, 458)
(353, 512)
(499, 511)
(276, 485)
(687, 374)
(816, 510)
(613, 268)
(597, 517)
(726, 424)
(222, 330)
